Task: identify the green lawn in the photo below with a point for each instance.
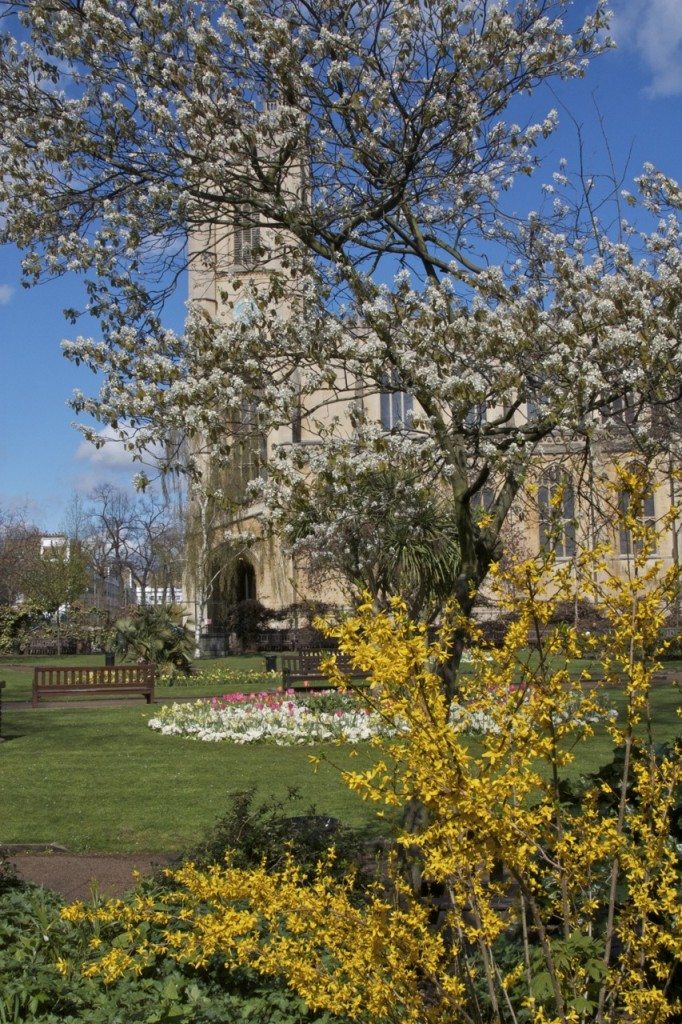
(100, 779)
(92, 779)
(18, 674)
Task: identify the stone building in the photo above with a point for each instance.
(567, 484)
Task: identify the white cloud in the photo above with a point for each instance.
(654, 29)
(6, 293)
(85, 483)
(111, 460)
(112, 454)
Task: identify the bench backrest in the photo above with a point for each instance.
(86, 677)
(308, 662)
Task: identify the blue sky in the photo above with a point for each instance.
(43, 460)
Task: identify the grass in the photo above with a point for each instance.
(96, 778)
(665, 702)
(100, 779)
(18, 674)
(92, 779)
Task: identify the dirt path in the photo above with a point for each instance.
(76, 876)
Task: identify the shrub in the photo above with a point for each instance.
(673, 633)
(246, 619)
(269, 833)
(9, 878)
(513, 900)
(305, 613)
(41, 983)
(15, 622)
(583, 614)
(151, 634)
(493, 631)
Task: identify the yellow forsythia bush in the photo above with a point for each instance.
(555, 903)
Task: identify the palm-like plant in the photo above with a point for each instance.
(150, 634)
(385, 532)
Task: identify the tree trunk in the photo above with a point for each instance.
(198, 620)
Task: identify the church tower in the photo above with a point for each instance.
(230, 260)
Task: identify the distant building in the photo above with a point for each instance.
(161, 596)
(108, 594)
(52, 541)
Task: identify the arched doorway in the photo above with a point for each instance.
(234, 580)
(244, 581)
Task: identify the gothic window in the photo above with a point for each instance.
(666, 418)
(556, 501)
(246, 239)
(396, 405)
(621, 410)
(296, 426)
(483, 500)
(245, 581)
(477, 415)
(245, 311)
(646, 515)
(533, 411)
(536, 402)
(249, 451)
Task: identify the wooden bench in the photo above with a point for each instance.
(661, 678)
(666, 677)
(50, 647)
(301, 670)
(61, 681)
(270, 640)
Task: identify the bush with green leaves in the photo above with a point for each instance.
(274, 830)
(246, 619)
(152, 634)
(15, 622)
(40, 980)
(41, 952)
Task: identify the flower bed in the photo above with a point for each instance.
(283, 719)
(227, 677)
(477, 722)
(304, 718)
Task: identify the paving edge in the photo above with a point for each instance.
(11, 849)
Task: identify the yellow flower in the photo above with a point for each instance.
(497, 835)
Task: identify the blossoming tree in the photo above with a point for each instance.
(377, 150)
